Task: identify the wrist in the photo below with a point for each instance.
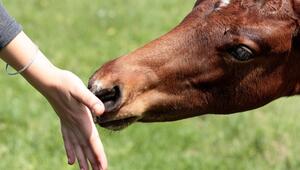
(42, 74)
(19, 52)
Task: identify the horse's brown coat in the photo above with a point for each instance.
(189, 71)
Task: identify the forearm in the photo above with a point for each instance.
(21, 51)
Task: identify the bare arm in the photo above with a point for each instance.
(68, 96)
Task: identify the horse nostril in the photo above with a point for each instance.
(111, 98)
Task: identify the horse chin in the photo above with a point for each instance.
(116, 124)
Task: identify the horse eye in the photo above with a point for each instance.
(241, 53)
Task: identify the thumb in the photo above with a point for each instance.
(87, 98)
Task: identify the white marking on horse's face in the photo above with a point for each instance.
(223, 3)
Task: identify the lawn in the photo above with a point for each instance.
(80, 36)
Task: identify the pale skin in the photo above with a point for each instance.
(69, 97)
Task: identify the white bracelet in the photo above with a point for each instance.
(25, 67)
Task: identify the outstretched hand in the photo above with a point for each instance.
(69, 97)
(73, 103)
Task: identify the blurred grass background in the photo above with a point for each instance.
(80, 36)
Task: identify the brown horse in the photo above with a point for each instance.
(226, 56)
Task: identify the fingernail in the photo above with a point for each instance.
(98, 108)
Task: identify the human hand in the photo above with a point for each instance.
(72, 102)
(69, 97)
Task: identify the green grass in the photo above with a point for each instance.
(80, 36)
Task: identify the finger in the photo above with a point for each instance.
(92, 157)
(68, 145)
(97, 150)
(86, 97)
(96, 165)
(90, 137)
(81, 158)
(79, 153)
